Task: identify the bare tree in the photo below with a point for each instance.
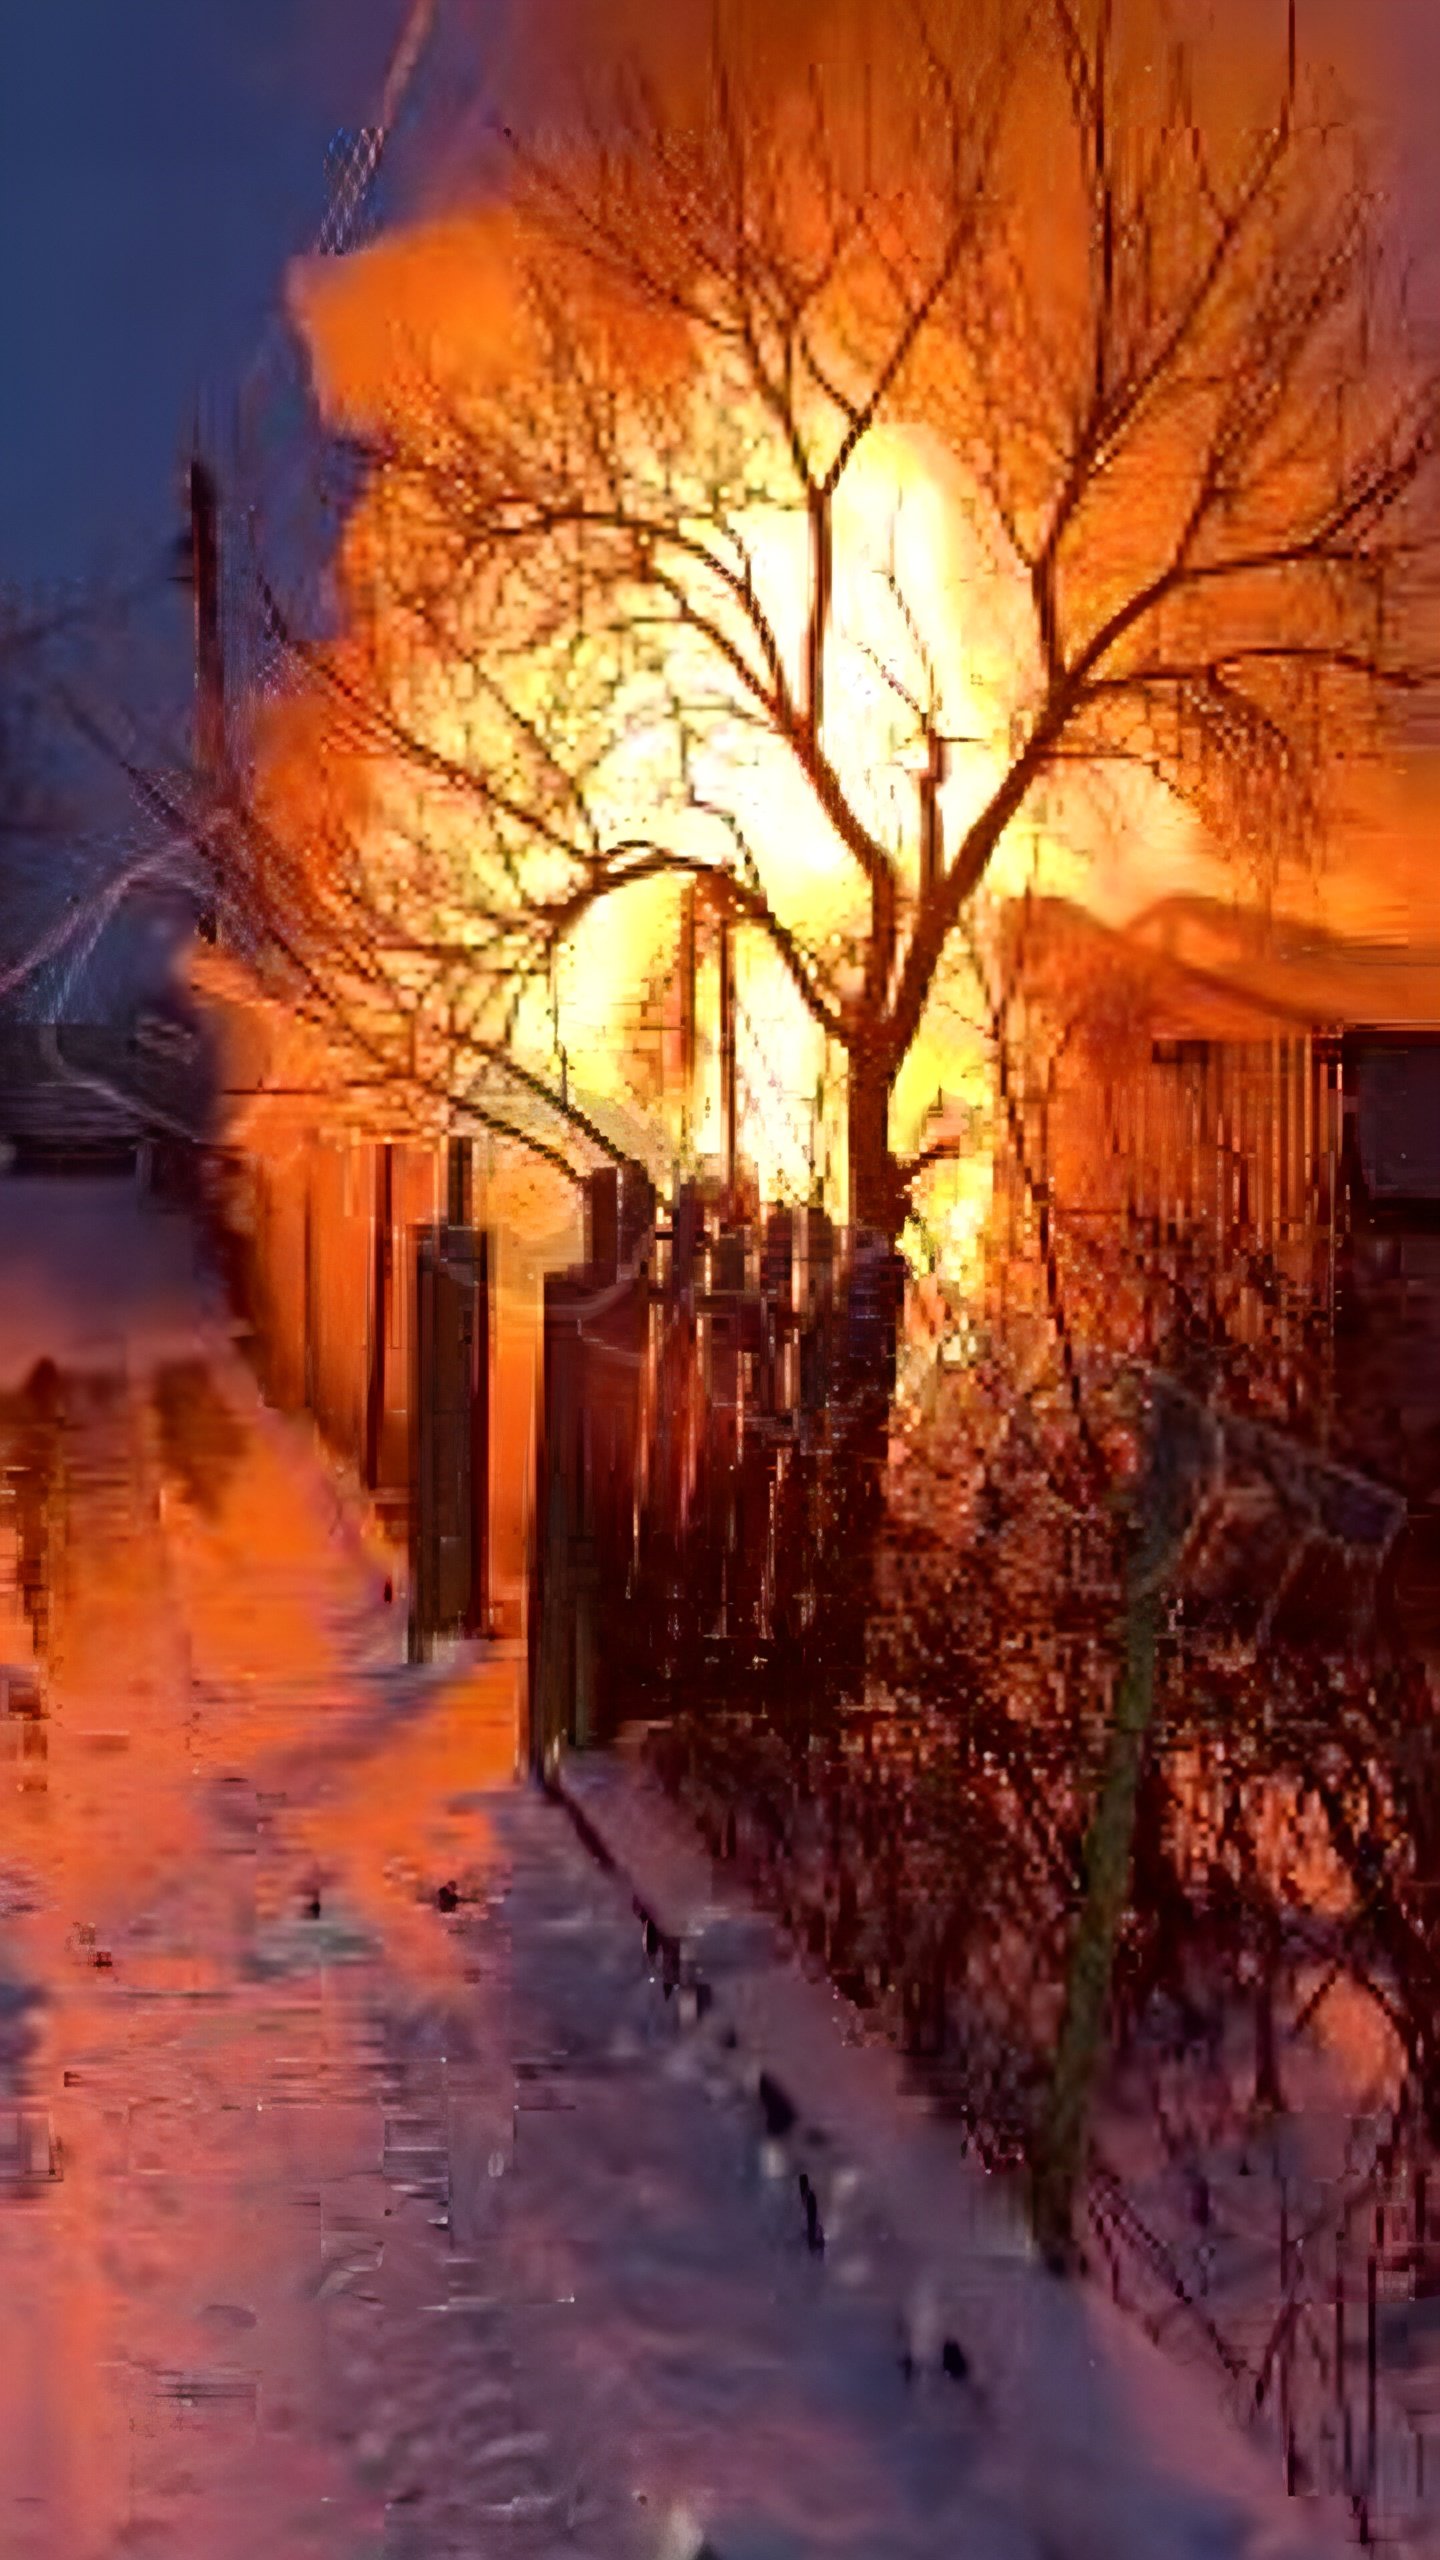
(1191, 437)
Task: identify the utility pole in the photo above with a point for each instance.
(204, 581)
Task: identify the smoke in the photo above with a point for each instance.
(437, 300)
(560, 58)
(440, 296)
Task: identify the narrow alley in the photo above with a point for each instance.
(362, 2198)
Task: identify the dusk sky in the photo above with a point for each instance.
(159, 162)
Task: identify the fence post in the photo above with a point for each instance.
(477, 1614)
(595, 1348)
(450, 1468)
(674, 1464)
(602, 1226)
(460, 1182)
(777, 1286)
(815, 1340)
(424, 1520)
(602, 1266)
(687, 1239)
(557, 1504)
(636, 1213)
(383, 1214)
(543, 1566)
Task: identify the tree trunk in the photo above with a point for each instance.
(865, 1378)
(876, 1194)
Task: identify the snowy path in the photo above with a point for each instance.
(343, 2215)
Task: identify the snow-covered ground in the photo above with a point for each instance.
(1103, 2444)
(362, 2195)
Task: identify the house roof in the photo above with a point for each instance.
(1296, 968)
(1199, 968)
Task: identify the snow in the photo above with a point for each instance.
(393, 2211)
(1096, 2440)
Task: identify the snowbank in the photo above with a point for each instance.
(1107, 2450)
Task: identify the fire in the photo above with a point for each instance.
(930, 622)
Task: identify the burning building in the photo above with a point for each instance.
(766, 492)
(1261, 1100)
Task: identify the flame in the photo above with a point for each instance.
(930, 599)
(929, 609)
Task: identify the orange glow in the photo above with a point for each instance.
(929, 617)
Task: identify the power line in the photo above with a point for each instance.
(355, 179)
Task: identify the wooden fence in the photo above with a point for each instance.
(1234, 1147)
(368, 1292)
(714, 1407)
